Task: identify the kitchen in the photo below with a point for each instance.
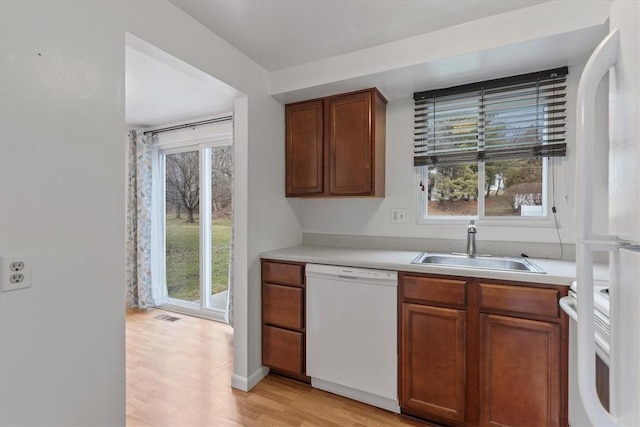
(312, 346)
(361, 220)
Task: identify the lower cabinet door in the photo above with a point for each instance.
(433, 353)
(282, 350)
(520, 369)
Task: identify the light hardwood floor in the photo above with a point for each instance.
(179, 375)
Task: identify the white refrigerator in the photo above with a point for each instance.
(619, 56)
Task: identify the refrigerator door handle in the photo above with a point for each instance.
(631, 247)
(604, 57)
(610, 243)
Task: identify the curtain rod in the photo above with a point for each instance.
(189, 125)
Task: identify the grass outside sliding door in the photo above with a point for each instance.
(183, 268)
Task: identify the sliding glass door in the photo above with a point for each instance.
(221, 216)
(197, 233)
(182, 225)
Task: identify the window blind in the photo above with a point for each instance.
(512, 118)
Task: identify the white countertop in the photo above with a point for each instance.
(557, 272)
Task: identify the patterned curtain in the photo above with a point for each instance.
(138, 253)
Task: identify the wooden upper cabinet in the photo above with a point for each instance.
(335, 146)
(305, 149)
(350, 144)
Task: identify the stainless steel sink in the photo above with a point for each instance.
(481, 262)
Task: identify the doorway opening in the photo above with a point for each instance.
(183, 123)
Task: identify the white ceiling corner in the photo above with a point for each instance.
(161, 89)
(283, 35)
(279, 34)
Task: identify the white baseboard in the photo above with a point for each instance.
(361, 396)
(246, 384)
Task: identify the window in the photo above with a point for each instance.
(192, 217)
(482, 149)
(197, 226)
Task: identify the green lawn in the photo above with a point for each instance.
(183, 248)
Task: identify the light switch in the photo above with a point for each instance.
(398, 216)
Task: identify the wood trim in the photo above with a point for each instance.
(473, 355)
(379, 136)
(374, 90)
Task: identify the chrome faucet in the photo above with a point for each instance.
(471, 239)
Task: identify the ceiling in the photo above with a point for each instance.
(160, 91)
(282, 33)
(278, 34)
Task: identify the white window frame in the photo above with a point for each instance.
(203, 146)
(546, 221)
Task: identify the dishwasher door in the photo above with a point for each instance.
(352, 333)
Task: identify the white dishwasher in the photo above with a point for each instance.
(352, 333)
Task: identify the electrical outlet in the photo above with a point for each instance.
(16, 266)
(15, 273)
(398, 216)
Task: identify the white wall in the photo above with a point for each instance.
(372, 217)
(517, 42)
(62, 198)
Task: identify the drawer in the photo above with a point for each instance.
(434, 290)
(282, 306)
(519, 299)
(276, 272)
(282, 350)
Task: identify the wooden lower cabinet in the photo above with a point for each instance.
(433, 361)
(282, 350)
(283, 318)
(482, 352)
(282, 306)
(520, 372)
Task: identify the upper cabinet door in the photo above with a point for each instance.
(335, 146)
(350, 144)
(304, 148)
